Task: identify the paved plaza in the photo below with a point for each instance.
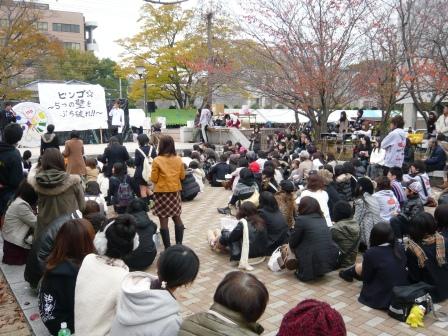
(284, 289)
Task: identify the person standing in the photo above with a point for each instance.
(431, 125)
(117, 115)
(167, 172)
(197, 126)
(442, 123)
(74, 152)
(394, 144)
(114, 152)
(204, 121)
(144, 150)
(49, 139)
(7, 116)
(343, 123)
(11, 170)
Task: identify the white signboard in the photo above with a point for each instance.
(136, 117)
(74, 107)
(34, 120)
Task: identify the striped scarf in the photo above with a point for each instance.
(438, 239)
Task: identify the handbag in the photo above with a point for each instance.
(275, 262)
(289, 258)
(255, 199)
(404, 297)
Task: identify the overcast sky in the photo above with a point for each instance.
(116, 19)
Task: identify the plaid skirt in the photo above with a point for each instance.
(167, 204)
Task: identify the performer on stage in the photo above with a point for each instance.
(117, 115)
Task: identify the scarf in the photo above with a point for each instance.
(244, 260)
(437, 239)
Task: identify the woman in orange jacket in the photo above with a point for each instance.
(167, 172)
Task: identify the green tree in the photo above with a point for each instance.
(172, 47)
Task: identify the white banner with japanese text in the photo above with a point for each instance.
(74, 106)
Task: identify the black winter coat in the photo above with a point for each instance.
(312, 244)
(333, 197)
(381, 271)
(41, 249)
(190, 188)
(48, 140)
(138, 161)
(218, 172)
(276, 227)
(431, 273)
(11, 173)
(258, 241)
(112, 154)
(146, 251)
(57, 297)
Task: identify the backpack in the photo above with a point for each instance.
(124, 194)
(146, 171)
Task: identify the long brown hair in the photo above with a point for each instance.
(52, 159)
(309, 206)
(73, 242)
(249, 211)
(166, 146)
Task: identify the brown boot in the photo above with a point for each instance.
(443, 186)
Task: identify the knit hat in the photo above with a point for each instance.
(312, 318)
(254, 167)
(287, 185)
(415, 187)
(304, 154)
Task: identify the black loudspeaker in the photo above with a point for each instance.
(151, 106)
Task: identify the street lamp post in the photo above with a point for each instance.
(142, 74)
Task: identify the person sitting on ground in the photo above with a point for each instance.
(245, 189)
(412, 206)
(219, 171)
(315, 188)
(230, 314)
(114, 152)
(286, 200)
(26, 161)
(56, 296)
(101, 275)
(358, 169)
(120, 193)
(345, 232)
(331, 160)
(49, 139)
(437, 156)
(235, 175)
(92, 170)
(312, 318)
(330, 188)
(306, 165)
(389, 206)
(311, 242)
(19, 223)
(383, 267)
(294, 175)
(395, 176)
(418, 173)
(367, 209)
(275, 222)
(441, 218)
(278, 174)
(262, 158)
(268, 182)
(427, 255)
(58, 193)
(93, 193)
(237, 241)
(142, 257)
(190, 188)
(198, 174)
(147, 305)
(345, 183)
(186, 157)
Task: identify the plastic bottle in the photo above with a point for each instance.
(64, 331)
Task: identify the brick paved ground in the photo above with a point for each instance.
(284, 289)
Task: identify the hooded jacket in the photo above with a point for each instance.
(345, 185)
(57, 297)
(19, 219)
(389, 205)
(142, 310)
(219, 321)
(144, 255)
(11, 173)
(367, 214)
(48, 140)
(345, 234)
(58, 193)
(394, 144)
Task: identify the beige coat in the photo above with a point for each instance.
(74, 152)
(19, 219)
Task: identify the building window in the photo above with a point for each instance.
(66, 28)
(72, 45)
(41, 26)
